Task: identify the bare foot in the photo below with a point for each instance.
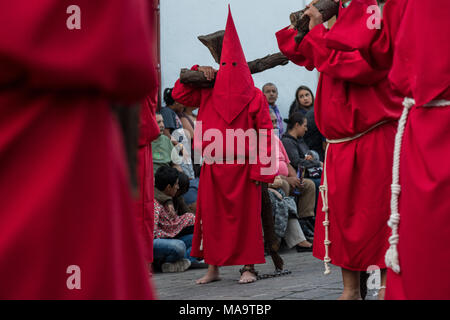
(305, 244)
(350, 295)
(211, 275)
(248, 275)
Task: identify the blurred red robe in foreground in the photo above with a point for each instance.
(421, 70)
(228, 228)
(64, 191)
(353, 98)
(148, 131)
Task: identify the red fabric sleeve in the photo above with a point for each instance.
(265, 168)
(148, 128)
(313, 52)
(187, 95)
(111, 53)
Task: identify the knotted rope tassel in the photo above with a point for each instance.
(391, 257)
(326, 223)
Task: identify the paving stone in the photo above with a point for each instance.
(306, 282)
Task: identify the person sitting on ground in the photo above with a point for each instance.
(186, 198)
(284, 208)
(174, 130)
(173, 233)
(271, 92)
(296, 150)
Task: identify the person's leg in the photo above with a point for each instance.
(350, 280)
(306, 200)
(211, 275)
(294, 235)
(383, 285)
(285, 187)
(168, 250)
(169, 254)
(187, 239)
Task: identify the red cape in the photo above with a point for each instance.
(64, 185)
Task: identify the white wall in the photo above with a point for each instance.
(256, 21)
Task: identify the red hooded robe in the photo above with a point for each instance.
(65, 204)
(421, 70)
(228, 227)
(353, 98)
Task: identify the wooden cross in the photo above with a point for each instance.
(214, 42)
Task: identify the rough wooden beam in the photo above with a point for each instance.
(198, 79)
(214, 43)
(328, 9)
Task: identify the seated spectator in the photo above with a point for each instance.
(271, 93)
(284, 208)
(165, 154)
(298, 155)
(304, 103)
(163, 149)
(173, 233)
(188, 120)
(186, 198)
(173, 129)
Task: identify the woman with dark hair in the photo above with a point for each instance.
(299, 155)
(304, 101)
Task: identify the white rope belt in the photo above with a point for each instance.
(324, 192)
(391, 259)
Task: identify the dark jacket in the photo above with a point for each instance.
(313, 138)
(296, 150)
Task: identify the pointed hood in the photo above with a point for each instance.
(234, 87)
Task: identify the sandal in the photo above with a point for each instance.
(251, 270)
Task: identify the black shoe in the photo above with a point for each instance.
(198, 265)
(303, 249)
(306, 230)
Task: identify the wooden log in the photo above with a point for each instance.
(195, 78)
(214, 43)
(198, 79)
(328, 9)
(268, 62)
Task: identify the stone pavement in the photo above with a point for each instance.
(306, 282)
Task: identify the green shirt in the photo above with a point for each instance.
(161, 152)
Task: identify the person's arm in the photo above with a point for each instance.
(313, 52)
(292, 178)
(188, 95)
(187, 126)
(292, 152)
